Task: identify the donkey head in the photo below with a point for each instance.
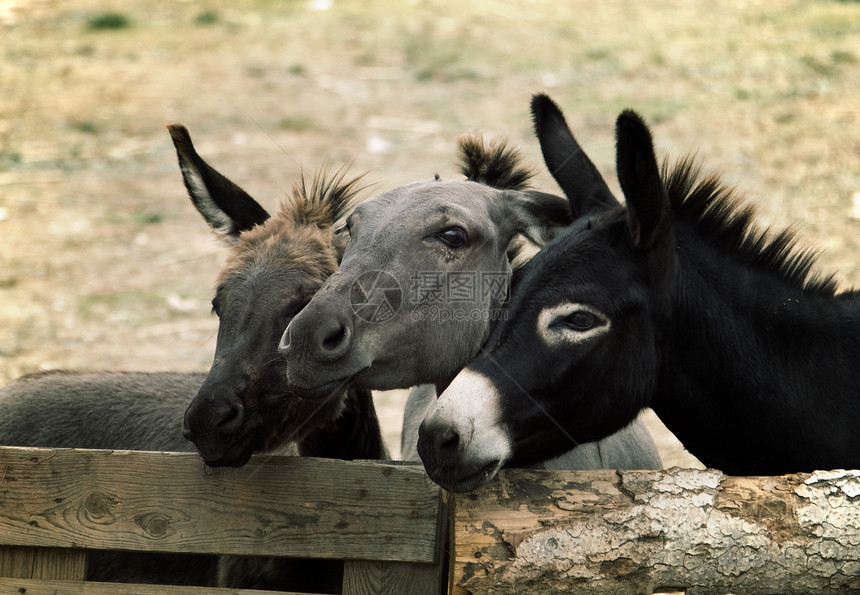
(275, 266)
(425, 270)
(575, 357)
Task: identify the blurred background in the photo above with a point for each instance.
(105, 264)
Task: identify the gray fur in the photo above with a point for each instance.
(110, 410)
(631, 447)
(114, 411)
(427, 340)
(420, 402)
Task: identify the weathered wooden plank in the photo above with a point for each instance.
(59, 563)
(55, 587)
(17, 561)
(361, 577)
(392, 578)
(281, 506)
(31, 562)
(632, 532)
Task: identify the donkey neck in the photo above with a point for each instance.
(759, 375)
(354, 434)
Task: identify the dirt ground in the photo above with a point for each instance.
(105, 264)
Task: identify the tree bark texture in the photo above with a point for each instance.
(636, 532)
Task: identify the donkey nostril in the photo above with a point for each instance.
(211, 417)
(186, 427)
(335, 338)
(229, 417)
(319, 334)
(284, 343)
(448, 442)
(226, 416)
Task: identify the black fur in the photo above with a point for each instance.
(575, 173)
(718, 213)
(746, 352)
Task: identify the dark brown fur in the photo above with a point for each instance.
(497, 165)
(275, 266)
(274, 261)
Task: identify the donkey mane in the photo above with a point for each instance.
(306, 215)
(330, 197)
(497, 165)
(718, 213)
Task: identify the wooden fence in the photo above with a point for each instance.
(386, 521)
(526, 532)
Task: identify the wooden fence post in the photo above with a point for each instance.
(43, 563)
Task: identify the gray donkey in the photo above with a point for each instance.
(424, 278)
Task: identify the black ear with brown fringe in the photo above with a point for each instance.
(227, 208)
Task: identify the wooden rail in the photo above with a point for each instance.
(528, 531)
(385, 520)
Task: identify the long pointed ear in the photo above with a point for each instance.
(227, 209)
(639, 175)
(575, 173)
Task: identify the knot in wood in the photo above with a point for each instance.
(155, 524)
(98, 507)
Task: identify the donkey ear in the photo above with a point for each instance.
(537, 218)
(639, 175)
(575, 173)
(228, 209)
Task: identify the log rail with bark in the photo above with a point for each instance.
(640, 532)
(528, 531)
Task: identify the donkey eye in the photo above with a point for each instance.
(581, 321)
(453, 237)
(572, 324)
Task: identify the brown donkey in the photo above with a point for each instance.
(244, 406)
(276, 264)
